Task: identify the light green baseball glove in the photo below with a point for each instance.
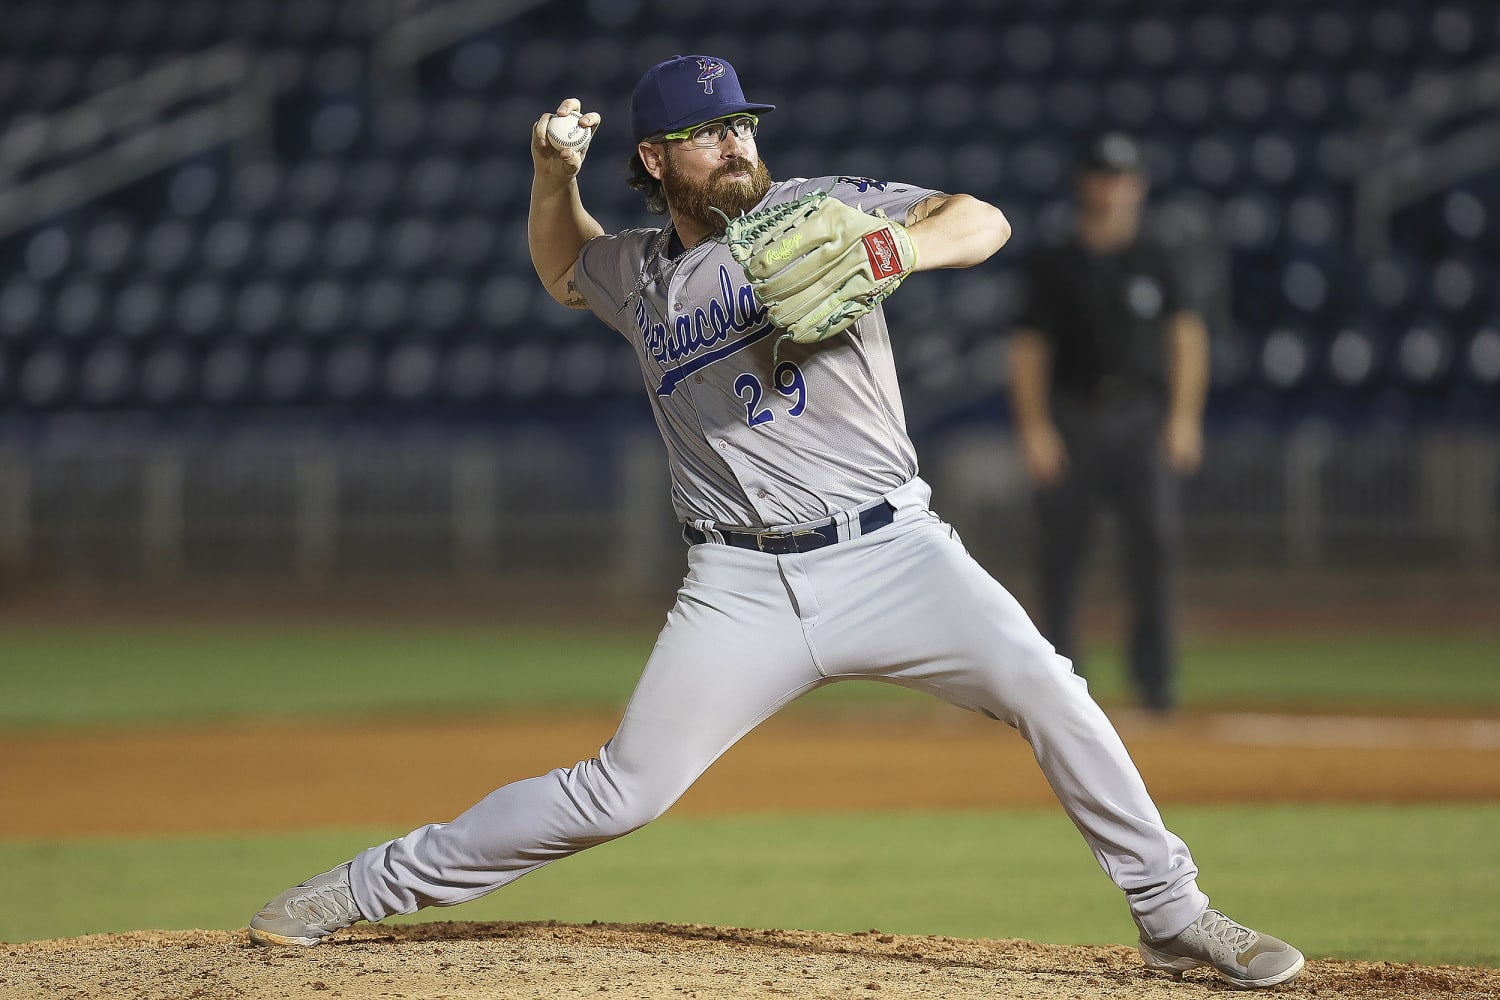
(818, 264)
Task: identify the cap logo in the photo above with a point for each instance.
(711, 69)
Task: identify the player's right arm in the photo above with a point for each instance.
(558, 225)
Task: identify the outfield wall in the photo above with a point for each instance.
(504, 507)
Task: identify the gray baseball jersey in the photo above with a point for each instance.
(763, 438)
(748, 444)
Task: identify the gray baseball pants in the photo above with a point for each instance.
(751, 632)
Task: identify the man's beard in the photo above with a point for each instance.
(730, 195)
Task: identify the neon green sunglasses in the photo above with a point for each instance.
(710, 134)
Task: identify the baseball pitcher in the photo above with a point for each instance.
(813, 557)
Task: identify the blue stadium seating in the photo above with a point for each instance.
(371, 251)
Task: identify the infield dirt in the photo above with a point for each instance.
(170, 779)
(511, 961)
(132, 781)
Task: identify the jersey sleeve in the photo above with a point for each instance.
(1175, 297)
(1040, 307)
(609, 271)
(893, 198)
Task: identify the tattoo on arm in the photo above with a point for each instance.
(574, 299)
(924, 208)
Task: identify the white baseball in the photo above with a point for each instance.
(564, 132)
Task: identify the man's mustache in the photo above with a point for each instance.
(734, 165)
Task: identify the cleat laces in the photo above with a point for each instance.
(325, 905)
(1226, 931)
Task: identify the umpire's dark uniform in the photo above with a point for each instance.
(1106, 319)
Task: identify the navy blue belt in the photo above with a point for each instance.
(781, 543)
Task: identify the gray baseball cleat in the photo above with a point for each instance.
(308, 913)
(1245, 958)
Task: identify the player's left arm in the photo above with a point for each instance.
(955, 230)
(1187, 391)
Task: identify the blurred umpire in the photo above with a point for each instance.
(1108, 372)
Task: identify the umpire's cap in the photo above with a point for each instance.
(685, 91)
(1113, 152)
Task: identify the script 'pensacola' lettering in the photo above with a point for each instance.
(688, 344)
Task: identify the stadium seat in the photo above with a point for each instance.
(1246, 98)
(1424, 354)
(905, 53)
(476, 66)
(441, 302)
(1130, 103)
(106, 376)
(1482, 358)
(311, 187)
(1456, 284)
(1352, 358)
(1390, 282)
(379, 214)
(1465, 216)
(167, 376)
(381, 305)
(1275, 159)
(1038, 167)
(48, 254)
(286, 374)
(1090, 45)
(227, 373)
(335, 128)
(1015, 108)
(1307, 97)
(1305, 286)
(1331, 36)
(1027, 48)
(1153, 42)
(522, 373)
(410, 243)
(1314, 223)
(1452, 33)
(1213, 41)
(1214, 162)
(22, 311)
(226, 245)
(1251, 219)
(1285, 359)
(583, 368)
(320, 307)
(350, 371)
(193, 190)
(348, 244)
(288, 244)
(1391, 32)
(259, 307)
(78, 313)
(200, 308)
(1187, 99)
(469, 245)
(468, 372)
(45, 378)
(140, 309)
(1274, 38)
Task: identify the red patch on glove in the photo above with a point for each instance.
(885, 259)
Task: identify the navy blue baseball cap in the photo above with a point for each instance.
(685, 91)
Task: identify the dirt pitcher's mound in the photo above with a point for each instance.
(500, 961)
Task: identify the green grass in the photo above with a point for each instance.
(132, 673)
(1402, 884)
(140, 673)
(1438, 669)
